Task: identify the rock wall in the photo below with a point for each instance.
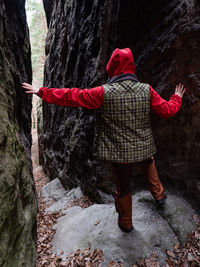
(48, 7)
(167, 54)
(17, 191)
(164, 38)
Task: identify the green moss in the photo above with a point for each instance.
(16, 192)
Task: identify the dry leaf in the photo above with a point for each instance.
(171, 254)
(196, 219)
(176, 246)
(111, 264)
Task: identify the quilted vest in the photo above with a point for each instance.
(123, 131)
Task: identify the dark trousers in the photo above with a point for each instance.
(122, 177)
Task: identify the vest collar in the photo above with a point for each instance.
(123, 77)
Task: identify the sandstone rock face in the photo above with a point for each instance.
(165, 40)
(79, 61)
(96, 227)
(48, 7)
(17, 193)
(164, 37)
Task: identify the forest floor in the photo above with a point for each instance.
(182, 256)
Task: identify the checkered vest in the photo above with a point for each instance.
(123, 131)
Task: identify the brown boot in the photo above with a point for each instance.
(124, 208)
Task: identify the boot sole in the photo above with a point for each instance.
(125, 229)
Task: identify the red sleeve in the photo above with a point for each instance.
(74, 97)
(162, 108)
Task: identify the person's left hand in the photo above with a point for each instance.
(180, 90)
(29, 88)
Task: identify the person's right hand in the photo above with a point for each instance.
(180, 90)
(29, 88)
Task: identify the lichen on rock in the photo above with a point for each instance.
(17, 191)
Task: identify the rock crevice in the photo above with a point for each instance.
(164, 38)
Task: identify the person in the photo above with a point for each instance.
(123, 131)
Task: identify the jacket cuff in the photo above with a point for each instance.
(179, 98)
(39, 93)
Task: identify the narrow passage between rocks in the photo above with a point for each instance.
(187, 254)
(72, 231)
(45, 231)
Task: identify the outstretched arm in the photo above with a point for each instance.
(74, 97)
(166, 109)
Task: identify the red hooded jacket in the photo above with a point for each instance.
(121, 62)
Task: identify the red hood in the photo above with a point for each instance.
(121, 62)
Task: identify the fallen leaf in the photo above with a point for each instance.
(111, 264)
(196, 219)
(171, 254)
(176, 246)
